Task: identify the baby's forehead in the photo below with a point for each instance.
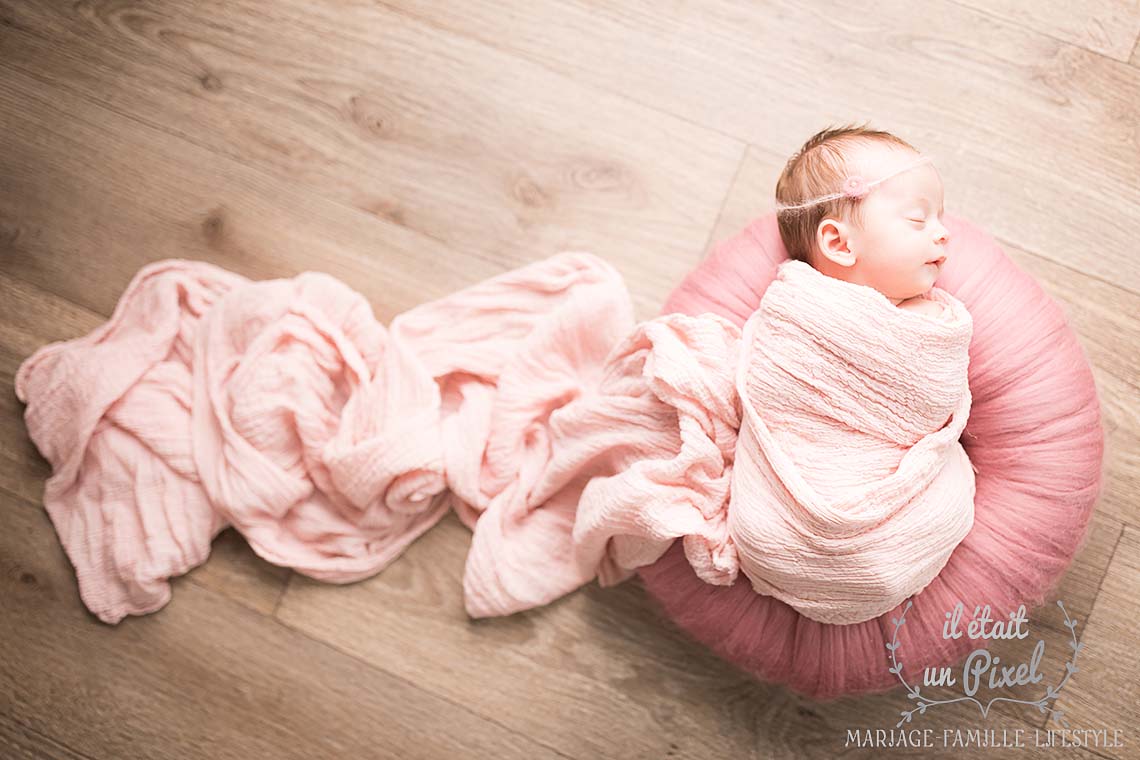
(913, 192)
(878, 160)
(922, 183)
(912, 185)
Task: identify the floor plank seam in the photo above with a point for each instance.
(266, 174)
(48, 738)
(1029, 30)
(275, 619)
(709, 242)
(1107, 566)
(1013, 244)
(304, 194)
(436, 695)
(284, 590)
(1092, 609)
(554, 69)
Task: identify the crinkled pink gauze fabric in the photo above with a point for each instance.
(850, 489)
(1034, 434)
(284, 408)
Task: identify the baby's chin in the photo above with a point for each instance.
(924, 277)
(920, 285)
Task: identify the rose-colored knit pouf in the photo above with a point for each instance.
(1034, 435)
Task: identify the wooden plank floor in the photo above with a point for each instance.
(412, 148)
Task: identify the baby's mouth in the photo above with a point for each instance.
(938, 262)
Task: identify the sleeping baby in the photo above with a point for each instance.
(812, 452)
(883, 227)
(851, 489)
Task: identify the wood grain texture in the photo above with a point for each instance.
(1107, 693)
(487, 154)
(1109, 27)
(644, 673)
(1018, 119)
(18, 742)
(595, 670)
(207, 678)
(413, 148)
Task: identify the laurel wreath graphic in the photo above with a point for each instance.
(1051, 692)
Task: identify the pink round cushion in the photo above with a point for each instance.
(1034, 435)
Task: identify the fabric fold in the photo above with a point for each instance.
(670, 448)
(111, 412)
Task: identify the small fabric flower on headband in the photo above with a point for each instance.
(855, 187)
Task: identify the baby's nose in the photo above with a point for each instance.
(943, 237)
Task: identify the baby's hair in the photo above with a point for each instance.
(818, 169)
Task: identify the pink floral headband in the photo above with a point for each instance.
(855, 187)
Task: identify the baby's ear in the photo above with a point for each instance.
(831, 238)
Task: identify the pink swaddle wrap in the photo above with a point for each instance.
(574, 443)
(851, 489)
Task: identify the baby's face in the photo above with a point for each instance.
(901, 246)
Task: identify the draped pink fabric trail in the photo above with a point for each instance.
(573, 443)
(285, 409)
